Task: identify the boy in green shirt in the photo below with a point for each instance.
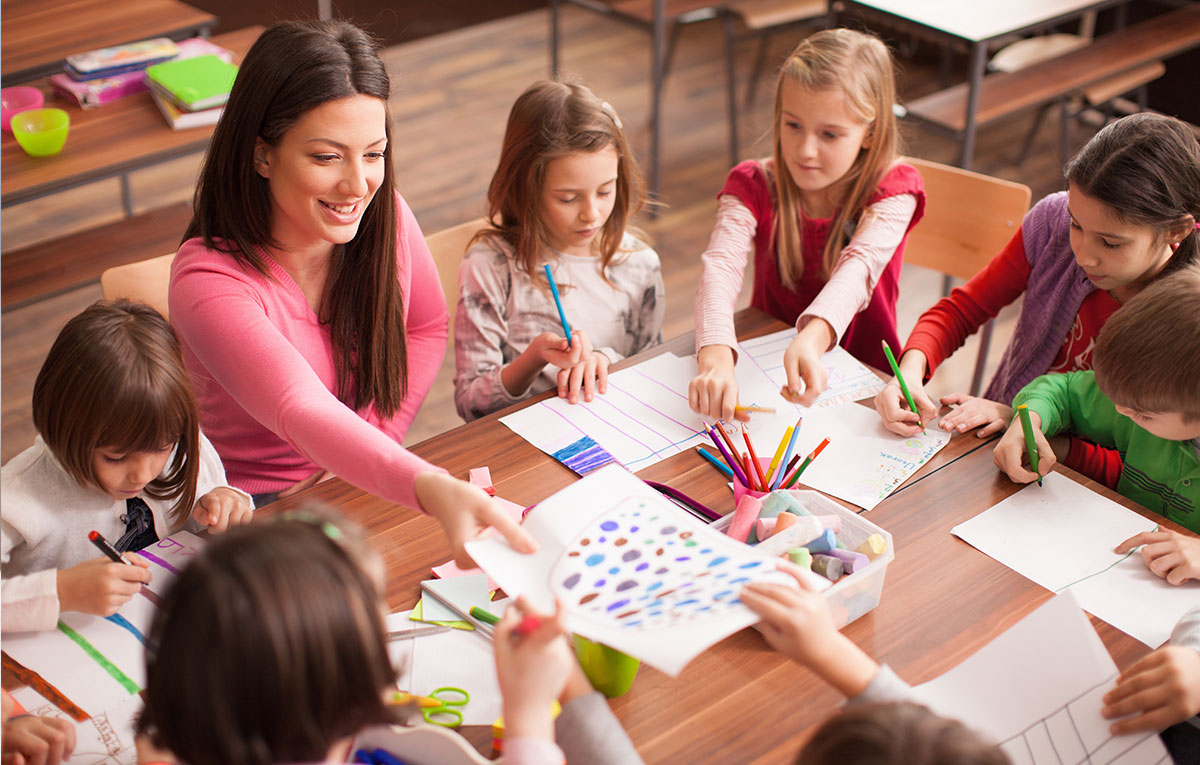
(1142, 398)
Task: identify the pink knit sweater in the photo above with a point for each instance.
(262, 368)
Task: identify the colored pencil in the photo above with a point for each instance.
(903, 385)
(808, 460)
(783, 442)
(750, 473)
(754, 409)
(758, 471)
(418, 632)
(786, 472)
(732, 449)
(483, 615)
(1030, 442)
(715, 462)
(562, 315)
(737, 473)
(787, 455)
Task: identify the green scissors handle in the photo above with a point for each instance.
(444, 713)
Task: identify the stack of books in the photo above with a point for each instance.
(191, 92)
(102, 76)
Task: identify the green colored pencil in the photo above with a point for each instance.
(903, 385)
(1030, 444)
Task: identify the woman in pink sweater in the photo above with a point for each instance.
(307, 304)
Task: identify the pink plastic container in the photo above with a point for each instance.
(18, 99)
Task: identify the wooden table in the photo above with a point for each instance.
(40, 34)
(111, 140)
(977, 22)
(740, 701)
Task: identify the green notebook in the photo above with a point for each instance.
(194, 83)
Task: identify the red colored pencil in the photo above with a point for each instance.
(758, 471)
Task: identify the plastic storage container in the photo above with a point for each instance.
(854, 594)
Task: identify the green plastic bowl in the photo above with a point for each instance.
(41, 132)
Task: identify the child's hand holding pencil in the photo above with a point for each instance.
(1013, 456)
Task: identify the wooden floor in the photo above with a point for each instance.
(451, 98)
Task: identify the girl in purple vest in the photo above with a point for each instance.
(825, 218)
(1129, 216)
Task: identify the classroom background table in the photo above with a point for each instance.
(39, 34)
(978, 22)
(110, 140)
(740, 701)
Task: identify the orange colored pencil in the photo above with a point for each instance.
(753, 478)
(758, 471)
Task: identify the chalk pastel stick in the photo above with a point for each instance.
(801, 557)
(765, 527)
(778, 501)
(744, 516)
(823, 543)
(783, 520)
(831, 522)
(851, 561)
(803, 530)
(828, 566)
(873, 546)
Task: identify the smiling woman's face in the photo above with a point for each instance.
(324, 172)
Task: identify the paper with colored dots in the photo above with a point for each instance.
(633, 571)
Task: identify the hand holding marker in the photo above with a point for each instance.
(903, 385)
(1030, 443)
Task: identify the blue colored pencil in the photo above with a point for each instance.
(738, 475)
(562, 315)
(716, 462)
(787, 455)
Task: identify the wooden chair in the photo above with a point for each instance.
(146, 280)
(761, 18)
(448, 247)
(969, 218)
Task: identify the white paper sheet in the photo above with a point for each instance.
(644, 417)
(99, 662)
(633, 570)
(455, 658)
(462, 591)
(106, 738)
(864, 462)
(1036, 690)
(1061, 535)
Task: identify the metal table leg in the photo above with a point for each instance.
(975, 78)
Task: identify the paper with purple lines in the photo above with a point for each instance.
(63, 661)
(632, 570)
(644, 417)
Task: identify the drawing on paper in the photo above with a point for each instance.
(644, 568)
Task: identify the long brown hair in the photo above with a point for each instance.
(114, 377)
(292, 68)
(1146, 167)
(270, 647)
(859, 65)
(547, 121)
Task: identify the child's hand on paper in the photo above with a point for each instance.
(1010, 454)
(465, 513)
(713, 392)
(806, 375)
(797, 623)
(30, 739)
(590, 375)
(973, 412)
(533, 669)
(1170, 555)
(1160, 690)
(893, 406)
(100, 586)
(221, 508)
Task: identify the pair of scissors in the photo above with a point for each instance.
(438, 708)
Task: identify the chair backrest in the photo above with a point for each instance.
(448, 247)
(969, 218)
(146, 280)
